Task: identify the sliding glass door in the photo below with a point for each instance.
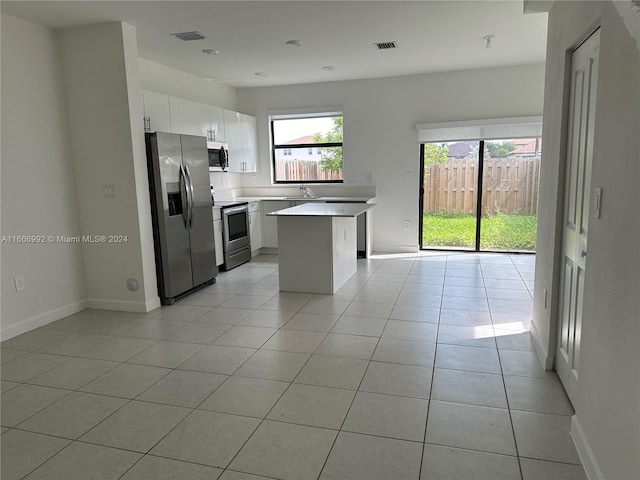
(450, 199)
(480, 195)
(511, 174)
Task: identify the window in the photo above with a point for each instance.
(294, 138)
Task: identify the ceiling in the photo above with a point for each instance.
(431, 36)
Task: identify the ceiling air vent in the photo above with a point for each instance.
(188, 36)
(386, 45)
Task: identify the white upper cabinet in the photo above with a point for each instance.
(203, 120)
(217, 124)
(233, 135)
(242, 139)
(163, 113)
(184, 117)
(250, 140)
(157, 117)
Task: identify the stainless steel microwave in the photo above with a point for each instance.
(218, 156)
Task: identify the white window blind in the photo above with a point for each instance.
(487, 129)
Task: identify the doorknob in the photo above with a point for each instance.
(583, 253)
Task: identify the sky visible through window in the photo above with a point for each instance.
(287, 130)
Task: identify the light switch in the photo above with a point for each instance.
(19, 282)
(108, 191)
(597, 201)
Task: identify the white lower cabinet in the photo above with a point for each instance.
(270, 224)
(217, 236)
(255, 226)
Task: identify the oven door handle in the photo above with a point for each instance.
(231, 210)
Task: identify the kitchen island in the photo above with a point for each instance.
(317, 246)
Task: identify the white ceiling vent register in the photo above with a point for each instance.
(386, 45)
(189, 36)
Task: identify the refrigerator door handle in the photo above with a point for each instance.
(191, 196)
(184, 194)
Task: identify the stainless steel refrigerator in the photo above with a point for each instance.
(178, 168)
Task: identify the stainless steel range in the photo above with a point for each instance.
(235, 231)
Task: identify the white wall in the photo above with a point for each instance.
(160, 78)
(104, 106)
(38, 186)
(379, 129)
(606, 425)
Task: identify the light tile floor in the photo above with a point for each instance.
(420, 367)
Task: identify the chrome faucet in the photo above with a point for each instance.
(306, 192)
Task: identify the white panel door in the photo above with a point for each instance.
(584, 77)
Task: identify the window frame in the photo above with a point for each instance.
(310, 146)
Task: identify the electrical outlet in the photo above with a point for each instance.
(222, 180)
(108, 191)
(20, 283)
(253, 179)
(369, 177)
(407, 177)
(407, 224)
(345, 234)
(352, 179)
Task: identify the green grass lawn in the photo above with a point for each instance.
(499, 232)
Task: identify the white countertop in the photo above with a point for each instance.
(324, 210)
(302, 199)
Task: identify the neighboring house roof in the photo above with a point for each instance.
(461, 149)
(527, 146)
(299, 140)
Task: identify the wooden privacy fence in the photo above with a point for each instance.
(303, 171)
(509, 185)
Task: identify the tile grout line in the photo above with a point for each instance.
(324, 464)
(433, 371)
(513, 431)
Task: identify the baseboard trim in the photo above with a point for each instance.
(123, 306)
(393, 249)
(269, 251)
(42, 319)
(546, 360)
(589, 461)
